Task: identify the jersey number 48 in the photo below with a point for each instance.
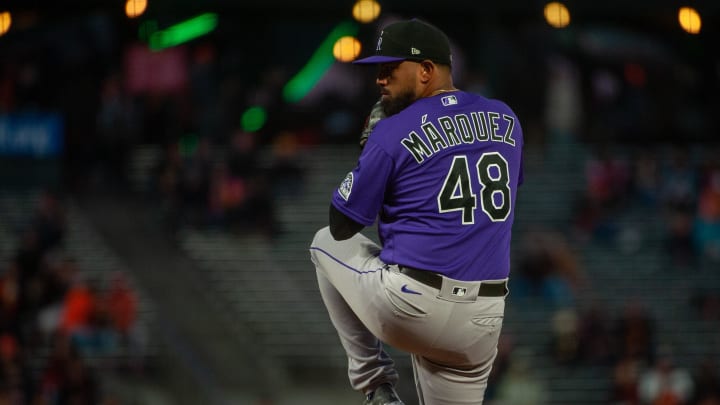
(457, 192)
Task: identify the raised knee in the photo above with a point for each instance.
(322, 234)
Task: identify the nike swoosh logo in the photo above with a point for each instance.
(405, 289)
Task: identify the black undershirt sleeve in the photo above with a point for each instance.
(342, 227)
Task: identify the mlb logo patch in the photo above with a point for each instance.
(449, 100)
(346, 186)
(459, 291)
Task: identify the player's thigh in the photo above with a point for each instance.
(456, 371)
(439, 384)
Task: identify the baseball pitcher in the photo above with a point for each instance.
(439, 171)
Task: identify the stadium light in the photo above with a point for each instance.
(183, 32)
(557, 14)
(346, 49)
(366, 11)
(135, 8)
(5, 22)
(689, 20)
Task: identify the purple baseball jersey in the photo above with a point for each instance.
(441, 178)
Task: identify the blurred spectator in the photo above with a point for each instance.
(625, 380)
(121, 304)
(565, 344)
(711, 400)
(194, 179)
(87, 321)
(15, 379)
(28, 258)
(117, 125)
(706, 303)
(678, 198)
(563, 104)
(79, 306)
(66, 379)
(679, 188)
(595, 338)
(607, 177)
(166, 175)
(707, 227)
(49, 221)
(62, 274)
(259, 212)
(286, 172)
(204, 88)
(679, 242)
(582, 337)
(241, 157)
(548, 268)
(665, 383)
(646, 177)
(634, 333)
(80, 384)
(10, 299)
(248, 186)
(228, 194)
(183, 181)
(706, 380)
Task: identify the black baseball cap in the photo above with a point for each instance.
(410, 40)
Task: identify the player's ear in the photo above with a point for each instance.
(426, 70)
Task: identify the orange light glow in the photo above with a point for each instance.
(366, 11)
(135, 8)
(557, 14)
(5, 22)
(689, 20)
(346, 49)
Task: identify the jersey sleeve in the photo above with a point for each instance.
(521, 173)
(360, 195)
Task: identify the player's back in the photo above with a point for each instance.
(449, 205)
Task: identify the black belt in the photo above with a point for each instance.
(434, 280)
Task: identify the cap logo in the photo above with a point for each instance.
(409, 40)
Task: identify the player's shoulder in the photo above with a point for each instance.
(489, 103)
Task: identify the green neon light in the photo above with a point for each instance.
(301, 84)
(253, 119)
(183, 31)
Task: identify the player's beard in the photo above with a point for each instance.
(393, 105)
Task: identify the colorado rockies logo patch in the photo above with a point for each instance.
(346, 186)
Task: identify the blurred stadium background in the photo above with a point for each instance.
(164, 165)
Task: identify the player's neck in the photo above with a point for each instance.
(439, 86)
(440, 91)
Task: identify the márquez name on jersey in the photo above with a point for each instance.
(463, 128)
